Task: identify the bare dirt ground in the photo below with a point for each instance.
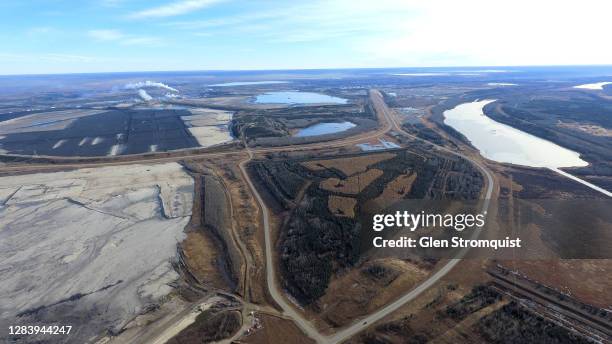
(245, 221)
(201, 256)
(357, 292)
(415, 318)
(248, 231)
(159, 327)
(275, 330)
(583, 279)
(588, 280)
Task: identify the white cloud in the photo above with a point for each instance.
(234, 20)
(483, 32)
(174, 9)
(106, 35)
(123, 39)
(308, 22)
(347, 33)
(429, 33)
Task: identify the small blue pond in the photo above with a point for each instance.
(324, 128)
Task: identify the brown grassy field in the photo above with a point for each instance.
(342, 206)
(276, 330)
(348, 166)
(414, 320)
(201, 254)
(365, 289)
(351, 185)
(587, 280)
(246, 221)
(591, 129)
(393, 192)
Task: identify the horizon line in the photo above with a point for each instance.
(303, 69)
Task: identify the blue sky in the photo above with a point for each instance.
(67, 36)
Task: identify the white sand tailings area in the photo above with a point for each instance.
(91, 247)
(209, 126)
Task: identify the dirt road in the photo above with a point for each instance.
(390, 123)
(82, 162)
(271, 281)
(365, 322)
(273, 288)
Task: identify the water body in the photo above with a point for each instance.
(501, 84)
(423, 74)
(595, 86)
(296, 97)
(246, 83)
(503, 143)
(324, 128)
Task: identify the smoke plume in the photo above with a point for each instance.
(148, 83)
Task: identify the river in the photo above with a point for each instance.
(503, 143)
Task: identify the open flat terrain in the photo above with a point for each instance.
(93, 247)
(179, 207)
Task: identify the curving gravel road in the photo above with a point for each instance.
(390, 124)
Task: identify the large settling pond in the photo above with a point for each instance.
(503, 143)
(324, 128)
(296, 97)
